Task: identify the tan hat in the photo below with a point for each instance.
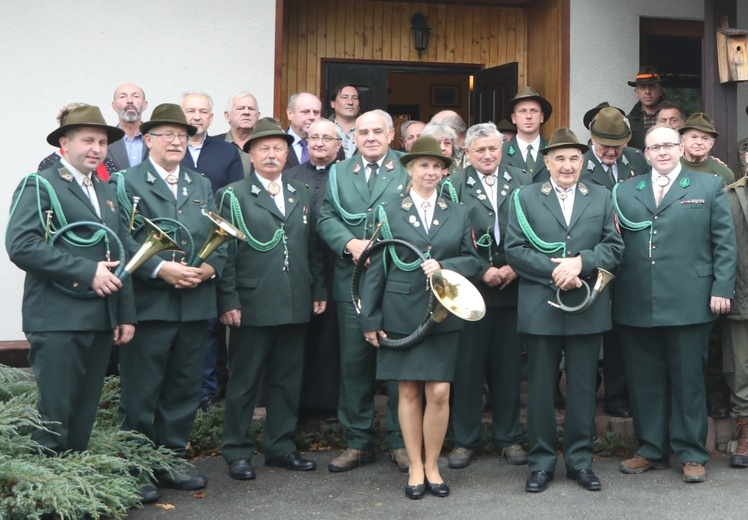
(699, 121)
(648, 75)
(85, 115)
(168, 114)
(528, 94)
(425, 146)
(590, 114)
(268, 127)
(610, 128)
(563, 138)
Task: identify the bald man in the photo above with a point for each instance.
(129, 103)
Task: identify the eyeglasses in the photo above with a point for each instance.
(326, 138)
(169, 137)
(666, 146)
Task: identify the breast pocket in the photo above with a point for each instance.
(397, 287)
(247, 283)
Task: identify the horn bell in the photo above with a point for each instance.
(157, 241)
(456, 295)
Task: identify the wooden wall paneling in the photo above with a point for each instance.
(349, 22)
(330, 13)
(293, 53)
(378, 30)
(341, 31)
(356, 18)
(368, 40)
(309, 37)
(485, 34)
(494, 46)
(406, 38)
(442, 34)
(475, 31)
(467, 36)
(520, 50)
(449, 40)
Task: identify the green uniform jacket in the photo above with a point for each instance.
(630, 164)
(512, 156)
(471, 194)
(355, 198)
(591, 234)
(711, 167)
(154, 298)
(256, 281)
(397, 301)
(693, 252)
(45, 308)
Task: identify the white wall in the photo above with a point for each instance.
(605, 50)
(56, 52)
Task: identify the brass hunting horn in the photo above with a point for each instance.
(603, 278)
(221, 230)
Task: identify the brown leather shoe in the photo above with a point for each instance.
(638, 464)
(694, 472)
(515, 455)
(351, 458)
(739, 459)
(399, 456)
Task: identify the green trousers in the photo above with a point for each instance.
(735, 364)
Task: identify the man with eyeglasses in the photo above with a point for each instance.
(319, 392)
(161, 370)
(529, 110)
(698, 135)
(303, 110)
(677, 276)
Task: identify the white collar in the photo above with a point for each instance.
(162, 172)
(77, 174)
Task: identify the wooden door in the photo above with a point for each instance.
(492, 89)
(371, 81)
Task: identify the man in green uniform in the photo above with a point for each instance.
(560, 232)
(355, 188)
(677, 275)
(529, 111)
(698, 135)
(70, 337)
(607, 162)
(270, 286)
(161, 370)
(643, 115)
(490, 349)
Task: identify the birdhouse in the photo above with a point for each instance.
(732, 55)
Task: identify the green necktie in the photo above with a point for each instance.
(373, 167)
(529, 161)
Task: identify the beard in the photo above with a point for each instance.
(130, 115)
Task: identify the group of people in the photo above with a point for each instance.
(528, 221)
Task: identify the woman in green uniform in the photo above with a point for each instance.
(395, 301)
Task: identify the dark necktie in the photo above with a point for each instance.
(530, 161)
(373, 167)
(304, 151)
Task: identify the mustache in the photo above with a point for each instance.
(271, 161)
(175, 149)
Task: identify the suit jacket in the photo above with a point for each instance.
(512, 156)
(395, 301)
(117, 153)
(314, 179)
(693, 252)
(354, 197)
(219, 161)
(244, 156)
(291, 160)
(470, 191)
(630, 164)
(45, 308)
(590, 234)
(154, 298)
(255, 281)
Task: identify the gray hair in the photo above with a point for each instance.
(336, 128)
(197, 93)
(480, 131)
(387, 117)
(440, 131)
(404, 127)
(241, 94)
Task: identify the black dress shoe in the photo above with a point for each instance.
(148, 494)
(292, 461)
(181, 481)
(438, 490)
(538, 481)
(585, 478)
(241, 469)
(415, 492)
(619, 411)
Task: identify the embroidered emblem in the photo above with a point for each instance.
(290, 188)
(583, 189)
(685, 182)
(187, 178)
(389, 165)
(150, 178)
(66, 176)
(407, 203)
(110, 204)
(471, 181)
(507, 177)
(357, 168)
(624, 160)
(590, 165)
(441, 203)
(511, 151)
(641, 185)
(255, 190)
(546, 189)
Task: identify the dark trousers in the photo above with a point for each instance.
(161, 373)
(662, 362)
(614, 372)
(544, 355)
(216, 341)
(69, 368)
(490, 350)
(358, 364)
(279, 352)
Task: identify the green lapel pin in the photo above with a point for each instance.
(641, 185)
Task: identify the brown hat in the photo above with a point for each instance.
(699, 121)
(563, 138)
(425, 146)
(590, 114)
(268, 127)
(648, 75)
(528, 94)
(168, 114)
(85, 115)
(610, 128)
(505, 126)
